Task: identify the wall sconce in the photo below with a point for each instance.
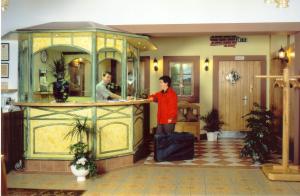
(282, 55)
(206, 63)
(155, 64)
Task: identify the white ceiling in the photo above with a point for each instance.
(26, 13)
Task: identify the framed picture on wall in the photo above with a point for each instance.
(4, 51)
(4, 70)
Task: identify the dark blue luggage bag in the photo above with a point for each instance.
(173, 147)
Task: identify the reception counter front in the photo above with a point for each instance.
(118, 129)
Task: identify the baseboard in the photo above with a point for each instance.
(232, 134)
(226, 134)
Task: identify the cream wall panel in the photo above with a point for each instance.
(114, 131)
(50, 138)
(100, 43)
(40, 43)
(68, 112)
(83, 42)
(114, 112)
(47, 139)
(138, 132)
(114, 137)
(62, 41)
(138, 121)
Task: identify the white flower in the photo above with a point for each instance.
(81, 161)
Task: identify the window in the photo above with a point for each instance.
(184, 72)
(182, 77)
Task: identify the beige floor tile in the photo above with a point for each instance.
(163, 181)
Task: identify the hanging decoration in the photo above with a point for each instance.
(233, 77)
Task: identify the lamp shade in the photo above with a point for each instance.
(281, 53)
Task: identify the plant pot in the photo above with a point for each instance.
(61, 90)
(79, 173)
(212, 136)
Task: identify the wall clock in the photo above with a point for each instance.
(44, 56)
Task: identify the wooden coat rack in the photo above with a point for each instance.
(284, 172)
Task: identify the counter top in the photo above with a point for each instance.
(83, 104)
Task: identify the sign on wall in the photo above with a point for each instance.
(4, 52)
(226, 41)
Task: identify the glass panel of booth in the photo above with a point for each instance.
(24, 68)
(132, 71)
(76, 69)
(108, 61)
(40, 51)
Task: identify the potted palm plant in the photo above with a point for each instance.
(213, 124)
(60, 86)
(260, 141)
(83, 163)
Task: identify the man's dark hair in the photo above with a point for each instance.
(106, 72)
(166, 79)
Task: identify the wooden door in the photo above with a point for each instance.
(238, 90)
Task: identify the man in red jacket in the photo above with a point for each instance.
(167, 106)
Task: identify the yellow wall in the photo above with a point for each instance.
(200, 46)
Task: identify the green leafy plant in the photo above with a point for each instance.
(260, 139)
(212, 121)
(60, 86)
(83, 158)
(58, 68)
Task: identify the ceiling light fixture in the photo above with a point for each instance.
(279, 3)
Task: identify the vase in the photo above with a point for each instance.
(61, 90)
(212, 136)
(79, 173)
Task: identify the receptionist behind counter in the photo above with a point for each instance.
(103, 93)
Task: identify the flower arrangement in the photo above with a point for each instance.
(83, 158)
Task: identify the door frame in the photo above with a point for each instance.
(216, 61)
(146, 127)
(146, 59)
(196, 76)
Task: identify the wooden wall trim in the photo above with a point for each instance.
(297, 113)
(217, 59)
(196, 62)
(146, 59)
(12, 138)
(146, 124)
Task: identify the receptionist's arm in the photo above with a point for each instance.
(114, 96)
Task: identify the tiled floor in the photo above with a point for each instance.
(225, 153)
(220, 173)
(154, 180)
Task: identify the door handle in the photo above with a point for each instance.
(245, 99)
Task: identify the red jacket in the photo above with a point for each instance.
(167, 106)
